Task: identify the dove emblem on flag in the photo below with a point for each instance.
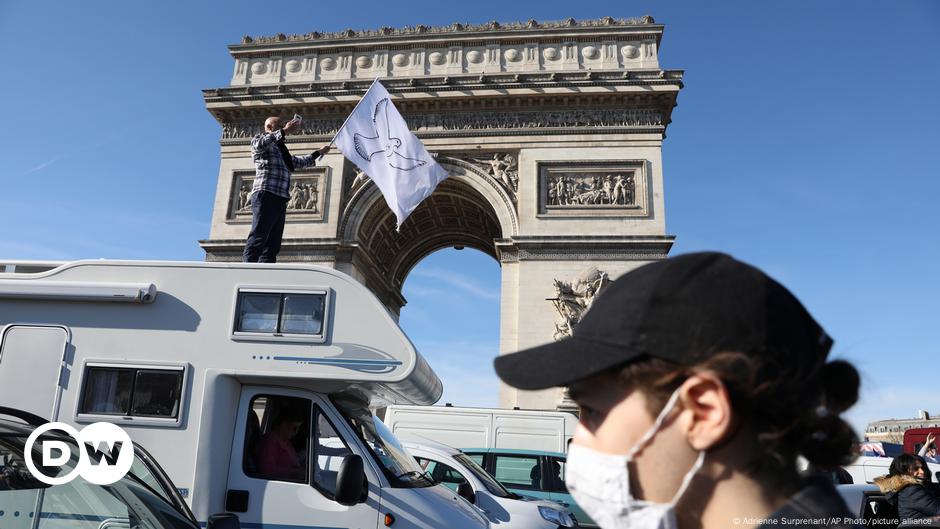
(376, 139)
(383, 141)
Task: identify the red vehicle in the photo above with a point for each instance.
(915, 438)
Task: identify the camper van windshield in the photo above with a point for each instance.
(399, 467)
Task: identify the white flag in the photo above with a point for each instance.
(377, 140)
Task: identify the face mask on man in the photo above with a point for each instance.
(600, 484)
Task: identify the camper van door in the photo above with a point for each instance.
(287, 450)
(31, 360)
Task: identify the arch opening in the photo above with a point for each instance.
(463, 289)
(456, 215)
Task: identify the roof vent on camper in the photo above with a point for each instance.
(516, 407)
(448, 405)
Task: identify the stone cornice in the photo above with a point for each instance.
(454, 83)
(452, 32)
(584, 247)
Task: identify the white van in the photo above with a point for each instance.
(251, 384)
(468, 479)
(866, 468)
(548, 431)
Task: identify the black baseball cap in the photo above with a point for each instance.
(682, 309)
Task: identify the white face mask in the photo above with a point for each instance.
(600, 484)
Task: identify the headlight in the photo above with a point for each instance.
(556, 517)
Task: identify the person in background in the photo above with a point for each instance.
(929, 450)
(270, 191)
(700, 381)
(905, 487)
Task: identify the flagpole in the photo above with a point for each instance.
(353, 111)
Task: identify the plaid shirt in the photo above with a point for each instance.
(271, 174)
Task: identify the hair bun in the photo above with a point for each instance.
(840, 382)
(829, 442)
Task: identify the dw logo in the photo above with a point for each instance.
(105, 453)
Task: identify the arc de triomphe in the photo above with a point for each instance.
(552, 133)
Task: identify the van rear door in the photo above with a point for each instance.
(32, 358)
(529, 432)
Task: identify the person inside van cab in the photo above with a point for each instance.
(277, 458)
(905, 486)
(700, 381)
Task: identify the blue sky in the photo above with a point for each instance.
(805, 141)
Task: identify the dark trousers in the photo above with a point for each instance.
(267, 228)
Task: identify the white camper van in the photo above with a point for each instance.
(548, 431)
(251, 384)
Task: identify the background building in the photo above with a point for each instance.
(892, 430)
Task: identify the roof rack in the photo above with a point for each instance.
(27, 267)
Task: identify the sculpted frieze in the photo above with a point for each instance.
(608, 188)
(469, 121)
(305, 201)
(592, 189)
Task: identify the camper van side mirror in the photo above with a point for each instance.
(351, 481)
(223, 521)
(465, 491)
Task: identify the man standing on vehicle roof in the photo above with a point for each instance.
(271, 189)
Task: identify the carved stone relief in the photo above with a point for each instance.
(305, 202)
(466, 121)
(601, 188)
(360, 179)
(591, 189)
(573, 298)
(502, 166)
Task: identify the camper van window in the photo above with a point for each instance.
(258, 312)
(302, 314)
(277, 435)
(397, 464)
(108, 390)
(132, 392)
(280, 313)
(157, 393)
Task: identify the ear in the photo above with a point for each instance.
(709, 419)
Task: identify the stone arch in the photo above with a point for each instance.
(468, 209)
(502, 204)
